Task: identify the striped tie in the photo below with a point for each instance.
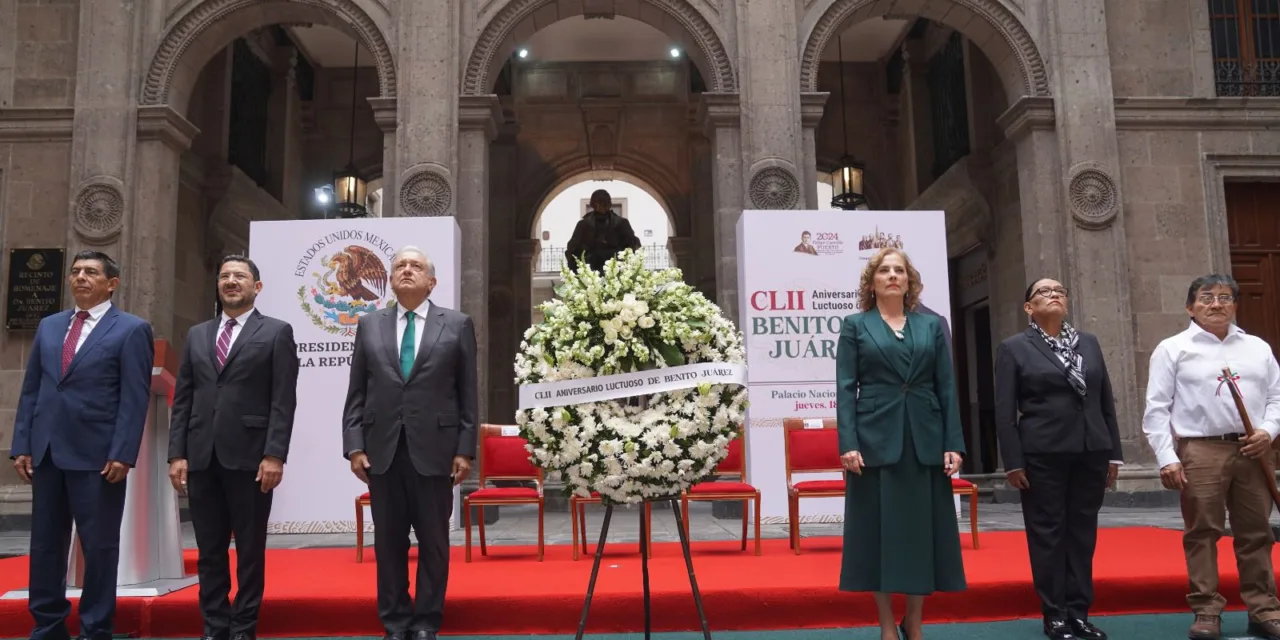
(224, 343)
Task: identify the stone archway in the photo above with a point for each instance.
(679, 19)
(589, 175)
(545, 185)
(192, 38)
(996, 28)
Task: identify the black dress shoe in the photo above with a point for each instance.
(1058, 630)
(394, 635)
(423, 634)
(1086, 631)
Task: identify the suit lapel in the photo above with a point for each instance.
(1043, 348)
(251, 325)
(432, 325)
(58, 337)
(387, 336)
(920, 340)
(104, 325)
(884, 340)
(210, 342)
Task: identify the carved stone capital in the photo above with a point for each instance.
(386, 113)
(480, 113)
(812, 106)
(719, 111)
(1026, 115)
(161, 122)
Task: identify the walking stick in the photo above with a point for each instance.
(1266, 460)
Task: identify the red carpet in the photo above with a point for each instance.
(323, 592)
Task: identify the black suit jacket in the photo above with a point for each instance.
(245, 411)
(437, 406)
(1038, 411)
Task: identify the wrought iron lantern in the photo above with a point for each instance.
(350, 193)
(846, 185)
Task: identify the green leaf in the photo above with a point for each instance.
(672, 354)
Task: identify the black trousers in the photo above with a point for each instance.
(58, 498)
(224, 501)
(400, 499)
(1060, 511)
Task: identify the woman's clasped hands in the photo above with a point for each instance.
(852, 461)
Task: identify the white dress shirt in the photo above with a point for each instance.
(419, 324)
(1187, 397)
(95, 314)
(235, 331)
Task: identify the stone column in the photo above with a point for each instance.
(1098, 253)
(163, 135)
(507, 321)
(702, 214)
(524, 250)
(768, 74)
(103, 130)
(680, 249)
(719, 113)
(811, 107)
(427, 64)
(385, 114)
(478, 118)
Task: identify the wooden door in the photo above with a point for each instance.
(1253, 227)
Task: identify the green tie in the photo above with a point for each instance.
(406, 345)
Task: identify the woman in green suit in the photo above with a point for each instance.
(900, 442)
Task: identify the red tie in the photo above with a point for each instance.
(73, 337)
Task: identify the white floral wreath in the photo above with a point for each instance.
(626, 319)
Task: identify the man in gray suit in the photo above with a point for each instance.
(409, 430)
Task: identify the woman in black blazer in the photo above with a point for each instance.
(1056, 422)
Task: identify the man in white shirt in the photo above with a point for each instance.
(1198, 436)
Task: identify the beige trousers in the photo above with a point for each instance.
(1221, 481)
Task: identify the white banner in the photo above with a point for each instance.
(798, 274)
(309, 280)
(626, 385)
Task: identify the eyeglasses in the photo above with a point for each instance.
(1049, 292)
(1208, 298)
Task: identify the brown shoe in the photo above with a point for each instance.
(1205, 627)
(1269, 629)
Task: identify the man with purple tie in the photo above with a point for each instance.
(233, 408)
(80, 419)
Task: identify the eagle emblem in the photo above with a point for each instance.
(354, 285)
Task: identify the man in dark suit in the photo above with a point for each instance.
(409, 430)
(233, 408)
(80, 420)
(1056, 422)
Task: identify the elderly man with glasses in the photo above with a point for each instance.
(1198, 436)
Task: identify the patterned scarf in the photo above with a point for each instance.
(1064, 346)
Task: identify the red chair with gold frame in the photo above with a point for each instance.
(503, 457)
(734, 464)
(810, 446)
(962, 487)
(578, 522)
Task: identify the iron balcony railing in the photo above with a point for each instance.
(551, 258)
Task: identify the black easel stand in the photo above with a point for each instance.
(644, 569)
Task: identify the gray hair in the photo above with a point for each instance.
(1210, 281)
(408, 249)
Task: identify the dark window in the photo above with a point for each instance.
(250, 98)
(948, 103)
(1246, 46)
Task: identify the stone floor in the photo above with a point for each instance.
(519, 526)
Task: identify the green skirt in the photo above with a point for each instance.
(900, 529)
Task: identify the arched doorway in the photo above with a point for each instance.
(918, 101)
(245, 109)
(562, 210)
(599, 97)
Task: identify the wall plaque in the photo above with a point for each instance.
(35, 287)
